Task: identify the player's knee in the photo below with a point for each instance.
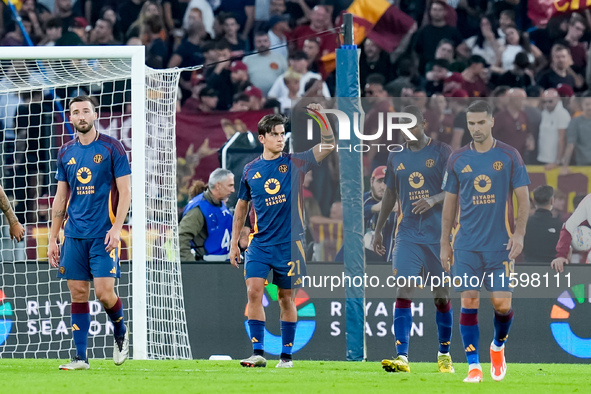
(255, 294)
(502, 306)
(470, 303)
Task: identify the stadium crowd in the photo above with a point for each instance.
(269, 53)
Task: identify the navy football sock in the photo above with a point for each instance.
(80, 313)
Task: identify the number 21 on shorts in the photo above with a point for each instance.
(293, 265)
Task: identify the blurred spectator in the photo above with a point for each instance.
(264, 67)
(102, 34)
(516, 42)
(189, 52)
(208, 101)
(372, 203)
(150, 9)
(546, 37)
(174, 11)
(312, 51)
(206, 224)
(436, 77)
(379, 105)
(298, 62)
(156, 47)
(255, 101)
(278, 30)
(320, 24)
(511, 123)
(34, 12)
(439, 119)
(552, 136)
(77, 34)
(374, 60)
(506, 20)
(14, 35)
(560, 206)
(63, 10)
(240, 102)
(453, 82)
(560, 70)
(291, 79)
(202, 11)
(109, 13)
(53, 32)
(230, 29)
(578, 49)
(520, 76)
(219, 78)
(486, 43)
(543, 230)
(128, 11)
(578, 138)
(428, 37)
(244, 11)
(476, 77)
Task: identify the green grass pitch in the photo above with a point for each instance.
(43, 376)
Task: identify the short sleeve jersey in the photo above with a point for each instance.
(484, 183)
(417, 175)
(274, 188)
(91, 172)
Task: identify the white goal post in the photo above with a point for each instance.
(137, 105)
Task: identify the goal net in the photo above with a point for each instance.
(137, 106)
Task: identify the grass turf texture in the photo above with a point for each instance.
(36, 376)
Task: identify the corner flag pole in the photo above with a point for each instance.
(351, 181)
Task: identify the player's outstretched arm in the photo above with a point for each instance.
(16, 229)
(515, 244)
(113, 236)
(58, 212)
(240, 212)
(448, 216)
(327, 142)
(388, 203)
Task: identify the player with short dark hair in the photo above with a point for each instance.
(480, 179)
(94, 190)
(272, 182)
(413, 177)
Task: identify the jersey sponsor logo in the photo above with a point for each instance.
(498, 165)
(72, 161)
(84, 175)
(283, 168)
(256, 176)
(97, 158)
(400, 167)
(482, 183)
(113, 271)
(272, 186)
(62, 270)
(416, 180)
(467, 169)
(430, 163)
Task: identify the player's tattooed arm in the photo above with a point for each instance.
(16, 230)
(327, 140)
(6, 208)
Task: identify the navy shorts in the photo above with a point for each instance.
(411, 260)
(471, 270)
(285, 259)
(85, 259)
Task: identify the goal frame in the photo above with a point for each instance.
(138, 165)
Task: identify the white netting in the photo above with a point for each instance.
(34, 304)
